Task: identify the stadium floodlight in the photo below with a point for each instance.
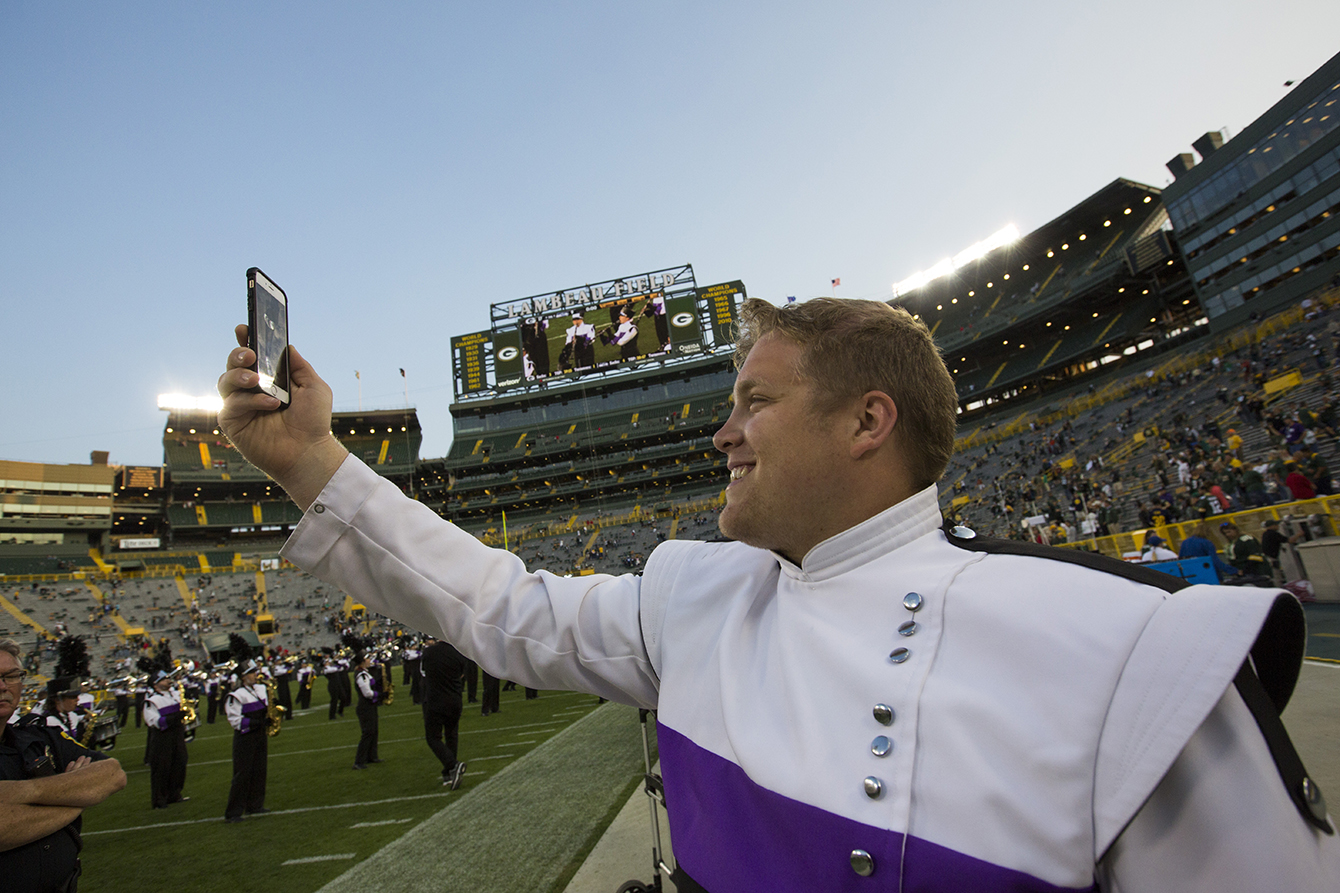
(973, 252)
(184, 401)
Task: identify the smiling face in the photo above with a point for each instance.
(786, 458)
(9, 694)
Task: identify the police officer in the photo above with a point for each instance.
(167, 743)
(46, 782)
(247, 708)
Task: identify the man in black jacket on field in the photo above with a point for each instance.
(47, 780)
(443, 668)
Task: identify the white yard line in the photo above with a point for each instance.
(275, 812)
(290, 753)
(332, 858)
(513, 743)
(379, 824)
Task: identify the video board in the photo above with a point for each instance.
(596, 328)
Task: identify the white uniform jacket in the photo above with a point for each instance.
(896, 714)
(162, 709)
(246, 708)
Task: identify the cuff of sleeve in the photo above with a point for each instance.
(326, 520)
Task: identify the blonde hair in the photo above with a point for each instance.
(852, 347)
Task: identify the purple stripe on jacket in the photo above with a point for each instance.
(731, 834)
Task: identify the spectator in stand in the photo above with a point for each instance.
(1297, 482)
(1314, 467)
(1156, 549)
(1199, 546)
(1272, 544)
(1254, 485)
(1244, 552)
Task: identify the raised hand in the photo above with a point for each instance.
(294, 446)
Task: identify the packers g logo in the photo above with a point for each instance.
(680, 320)
(508, 354)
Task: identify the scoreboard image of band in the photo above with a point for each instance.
(596, 328)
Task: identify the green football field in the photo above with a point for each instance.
(326, 817)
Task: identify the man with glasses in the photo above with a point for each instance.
(46, 782)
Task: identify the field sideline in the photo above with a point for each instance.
(326, 817)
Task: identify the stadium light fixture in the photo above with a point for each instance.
(973, 252)
(184, 401)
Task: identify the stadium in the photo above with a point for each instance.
(1117, 369)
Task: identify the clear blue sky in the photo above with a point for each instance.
(398, 167)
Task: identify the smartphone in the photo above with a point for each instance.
(267, 334)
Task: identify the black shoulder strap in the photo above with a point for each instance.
(1265, 682)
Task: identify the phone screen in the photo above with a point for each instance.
(270, 335)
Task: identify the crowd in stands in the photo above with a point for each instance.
(1195, 437)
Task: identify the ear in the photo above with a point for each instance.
(877, 415)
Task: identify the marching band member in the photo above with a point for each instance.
(332, 671)
(305, 678)
(167, 743)
(625, 336)
(121, 691)
(369, 694)
(247, 709)
(409, 661)
(62, 708)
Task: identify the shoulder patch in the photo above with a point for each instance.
(1092, 560)
(1264, 682)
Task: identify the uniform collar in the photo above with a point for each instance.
(873, 538)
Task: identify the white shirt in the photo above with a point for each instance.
(1044, 721)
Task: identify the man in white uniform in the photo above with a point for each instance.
(849, 696)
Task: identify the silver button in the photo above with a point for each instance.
(881, 746)
(908, 628)
(318, 508)
(883, 714)
(964, 533)
(862, 863)
(873, 787)
(912, 601)
(898, 655)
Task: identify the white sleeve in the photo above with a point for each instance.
(1222, 821)
(399, 558)
(365, 686)
(151, 715)
(232, 708)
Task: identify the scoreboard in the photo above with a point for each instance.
(601, 328)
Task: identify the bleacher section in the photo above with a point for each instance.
(1097, 281)
(552, 454)
(214, 494)
(1116, 446)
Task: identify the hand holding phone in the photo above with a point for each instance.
(267, 335)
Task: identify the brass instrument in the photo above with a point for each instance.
(89, 722)
(189, 720)
(388, 681)
(274, 712)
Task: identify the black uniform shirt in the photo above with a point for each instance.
(443, 667)
(31, 749)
